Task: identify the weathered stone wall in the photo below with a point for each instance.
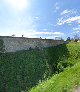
(13, 44)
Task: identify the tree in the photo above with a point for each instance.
(76, 37)
(68, 39)
(13, 35)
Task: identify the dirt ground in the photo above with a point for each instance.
(77, 90)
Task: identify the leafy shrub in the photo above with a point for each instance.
(23, 70)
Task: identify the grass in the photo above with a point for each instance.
(63, 82)
(69, 78)
(23, 70)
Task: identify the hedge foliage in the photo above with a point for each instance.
(20, 71)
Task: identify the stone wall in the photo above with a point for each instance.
(13, 44)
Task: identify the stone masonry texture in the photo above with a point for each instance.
(13, 44)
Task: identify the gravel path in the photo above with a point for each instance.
(77, 90)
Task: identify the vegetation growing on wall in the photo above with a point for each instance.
(23, 70)
(1, 45)
(68, 80)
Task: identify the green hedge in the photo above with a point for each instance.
(23, 70)
(1, 46)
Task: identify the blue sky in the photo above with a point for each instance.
(40, 18)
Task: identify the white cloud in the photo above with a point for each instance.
(30, 33)
(62, 21)
(17, 5)
(37, 18)
(18, 32)
(48, 33)
(45, 29)
(76, 28)
(19, 26)
(50, 24)
(65, 12)
(68, 12)
(58, 33)
(55, 37)
(57, 6)
(75, 32)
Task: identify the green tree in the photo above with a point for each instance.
(76, 37)
(68, 39)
